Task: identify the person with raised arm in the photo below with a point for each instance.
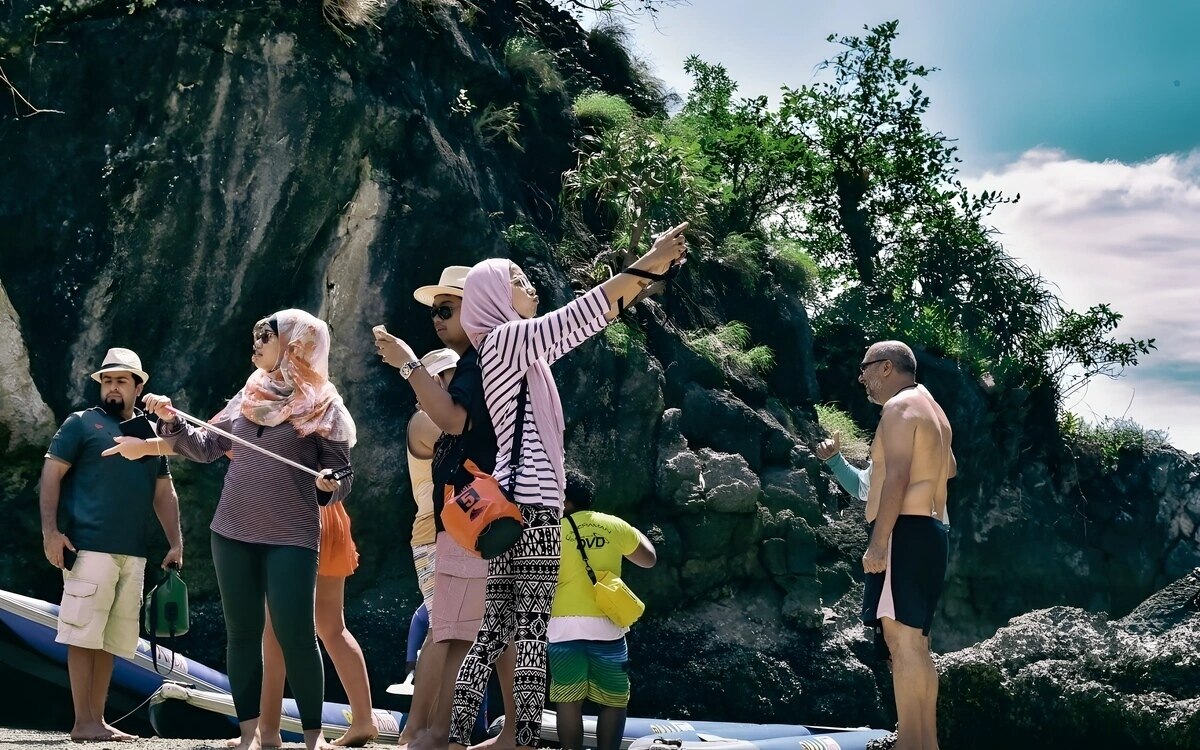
(516, 349)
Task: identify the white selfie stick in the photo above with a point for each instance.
(201, 423)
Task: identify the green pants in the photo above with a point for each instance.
(286, 578)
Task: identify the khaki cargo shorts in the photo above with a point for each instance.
(102, 597)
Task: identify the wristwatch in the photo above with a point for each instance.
(407, 368)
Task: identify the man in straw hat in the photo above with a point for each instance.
(101, 546)
(459, 414)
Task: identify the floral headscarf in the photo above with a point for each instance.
(305, 397)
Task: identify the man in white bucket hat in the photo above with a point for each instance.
(101, 546)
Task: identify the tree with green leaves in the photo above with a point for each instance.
(908, 246)
(630, 178)
(754, 165)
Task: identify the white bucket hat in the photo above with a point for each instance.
(452, 281)
(121, 360)
(439, 360)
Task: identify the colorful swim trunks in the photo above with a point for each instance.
(592, 670)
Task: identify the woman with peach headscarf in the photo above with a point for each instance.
(516, 349)
(267, 528)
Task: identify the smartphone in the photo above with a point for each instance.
(68, 558)
(138, 427)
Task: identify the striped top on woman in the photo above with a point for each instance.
(505, 355)
(265, 501)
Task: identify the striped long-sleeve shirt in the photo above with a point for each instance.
(505, 356)
(265, 501)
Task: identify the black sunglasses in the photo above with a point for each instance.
(445, 312)
(863, 367)
(264, 336)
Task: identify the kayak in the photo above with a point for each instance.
(690, 734)
(35, 622)
(183, 712)
(850, 739)
(188, 700)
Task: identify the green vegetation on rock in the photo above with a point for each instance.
(728, 347)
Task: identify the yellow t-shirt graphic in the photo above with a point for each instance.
(606, 539)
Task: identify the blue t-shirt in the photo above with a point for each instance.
(106, 502)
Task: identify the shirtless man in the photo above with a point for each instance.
(905, 561)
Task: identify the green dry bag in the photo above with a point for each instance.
(165, 610)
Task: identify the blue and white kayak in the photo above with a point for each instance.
(698, 735)
(187, 699)
(850, 739)
(35, 622)
(335, 719)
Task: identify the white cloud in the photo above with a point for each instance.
(1129, 235)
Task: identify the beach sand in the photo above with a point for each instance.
(29, 739)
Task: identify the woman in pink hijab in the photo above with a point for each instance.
(515, 347)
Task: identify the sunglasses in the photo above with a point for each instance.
(263, 337)
(445, 312)
(863, 367)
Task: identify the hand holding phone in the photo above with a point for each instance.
(138, 427)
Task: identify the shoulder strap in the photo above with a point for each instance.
(514, 459)
(579, 544)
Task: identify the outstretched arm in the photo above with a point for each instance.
(667, 250)
(195, 443)
(549, 337)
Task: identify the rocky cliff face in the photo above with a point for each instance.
(1072, 678)
(217, 161)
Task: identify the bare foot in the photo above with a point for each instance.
(358, 735)
(251, 745)
(426, 741)
(93, 732)
(274, 741)
(502, 741)
(314, 739)
(118, 735)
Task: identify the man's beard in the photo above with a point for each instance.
(114, 408)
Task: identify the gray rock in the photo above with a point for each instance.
(791, 489)
(679, 480)
(24, 417)
(720, 420)
(729, 484)
(1075, 679)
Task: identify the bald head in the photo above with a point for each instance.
(896, 352)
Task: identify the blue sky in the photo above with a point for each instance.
(1091, 110)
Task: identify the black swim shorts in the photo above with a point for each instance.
(909, 590)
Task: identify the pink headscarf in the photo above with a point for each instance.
(487, 305)
(305, 398)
